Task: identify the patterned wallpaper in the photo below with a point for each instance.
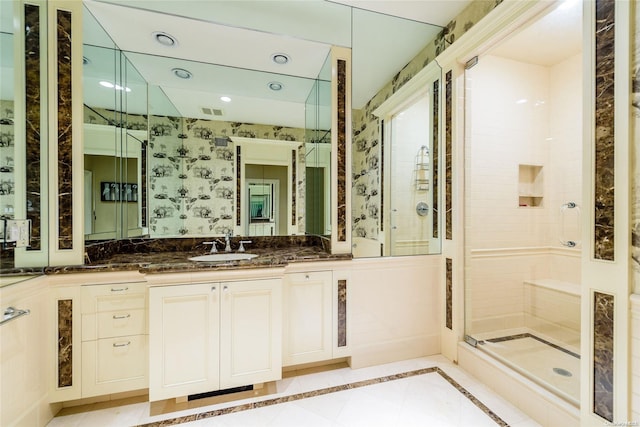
(192, 172)
(366, 150)
(7, 144)
(192, 177)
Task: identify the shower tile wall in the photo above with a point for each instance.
(521, 114)
(565, 148)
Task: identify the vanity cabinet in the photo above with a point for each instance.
(313, 305)
(215, 335)
(114, 338)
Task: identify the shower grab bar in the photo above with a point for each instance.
(563, 208)
(11, 313)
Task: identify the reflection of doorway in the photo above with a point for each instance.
(88, 202)
(409, 230)
(263, 207)
(314, 201)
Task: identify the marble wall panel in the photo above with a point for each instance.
(301, 188)
(64, 130)
(144, 192)
(449, 293)
(603, 329)
(65, 343)
(448, 158)
(33, 132)
(342, 313)
(238, 186)
(341, 173)
(604, 173)
(294, 191)
(435, 153)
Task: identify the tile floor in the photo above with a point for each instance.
(429, 391)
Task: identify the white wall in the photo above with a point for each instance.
(520, 114)
(25, 356)
(635, 356)
(565, 148)
(395, 305)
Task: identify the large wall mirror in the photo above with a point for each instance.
(220, 122)
(7, 115)
(395, 152)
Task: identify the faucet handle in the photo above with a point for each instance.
(242, 242)
(214, 248)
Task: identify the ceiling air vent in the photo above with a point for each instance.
(211, 111)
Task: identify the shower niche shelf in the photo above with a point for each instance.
(530, 186)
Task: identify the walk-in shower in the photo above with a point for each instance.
(523, 190)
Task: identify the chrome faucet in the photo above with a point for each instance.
(214, 248)
(242, 242)
(227, 240)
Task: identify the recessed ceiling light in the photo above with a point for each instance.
(275, 86)
(225, 99)
(280, 58)
(165, 39)
(182, 73)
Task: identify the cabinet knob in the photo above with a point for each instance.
(119, 289)
(213, 288)
(306, 277)
(225, 288)
(121, 344)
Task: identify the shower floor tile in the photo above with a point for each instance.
(557, 368)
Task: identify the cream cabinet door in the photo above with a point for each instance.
(308, 317)
(250, 332)
(183, 340)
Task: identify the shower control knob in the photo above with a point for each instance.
(422, 209)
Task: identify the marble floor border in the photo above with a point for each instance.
(323, 391)
(529, 335)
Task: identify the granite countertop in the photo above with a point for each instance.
(151, 256)
(175, 262)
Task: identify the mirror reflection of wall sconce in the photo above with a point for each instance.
(422, 169)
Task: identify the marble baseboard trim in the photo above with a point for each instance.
(528, 335)
(305, 395)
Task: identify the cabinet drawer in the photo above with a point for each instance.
(113, 365)
(113, 297)
(112, 324)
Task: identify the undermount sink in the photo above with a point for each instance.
(223, 257)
